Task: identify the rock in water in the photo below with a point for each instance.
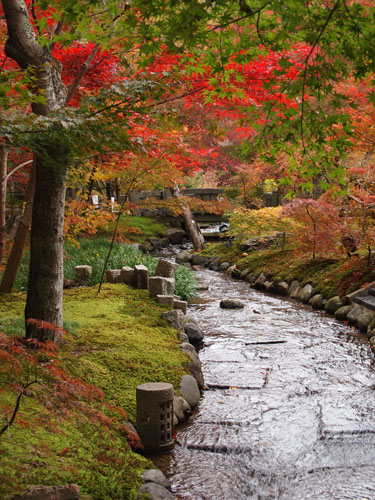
(231, 304)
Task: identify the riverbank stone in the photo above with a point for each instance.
(305, 293)
(189, 390)
(199, 260)
(342, 313)
(195, 366)
(214, 264)
(181, 409)
(281, 288)
(156, 476)
(158, 285)
(361, 317)
(194, 333)
(250, 278)
(175, 318)
(183, 257)
(294, 289)
(259, 282)
(231, 304)
(333, 304)
(316, 302)
(175, 235)
(224, 266)
(269, 286)
(155, 491)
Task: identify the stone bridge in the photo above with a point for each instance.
(140, 198)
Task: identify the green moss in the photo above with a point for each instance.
(118, 341)
(138, 229)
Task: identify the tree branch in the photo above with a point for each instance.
(17, 168)
(84, 68)
(16, 408)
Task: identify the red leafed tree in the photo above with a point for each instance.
(318, 226)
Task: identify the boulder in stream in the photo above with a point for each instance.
(194, 333)
(231, 304)
(189, 390)
(155, 491)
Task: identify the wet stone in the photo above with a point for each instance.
(189, 390)
(155, 491)
(194, 333)
(156, 476)
(316, 302)
(342, 312)
(231, 304)
(333, 304)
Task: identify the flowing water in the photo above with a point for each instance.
(290, 410)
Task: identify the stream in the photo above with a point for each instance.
(290, 410)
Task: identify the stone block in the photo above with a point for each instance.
(113, 275)
(180, 304)
(83, 273)
(157, 285)
(127, 275)
(165, 268)
(166, 300)
(141, 277)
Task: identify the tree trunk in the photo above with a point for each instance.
(3, 193)
(20, 237)
(44, 295)
(46, 273)
(192, 227)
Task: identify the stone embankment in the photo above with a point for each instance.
(357, 308)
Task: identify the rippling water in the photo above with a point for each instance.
(290, 413)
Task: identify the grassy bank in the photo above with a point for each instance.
(329, 276)
(118, 340)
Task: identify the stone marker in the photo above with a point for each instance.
(113, 275)
(180, 304)
(141, 277)
(82, 273)
(165, 300)
(127, 275)
(155, 416)
(165, 269)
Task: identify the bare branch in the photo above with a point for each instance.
(17, 168)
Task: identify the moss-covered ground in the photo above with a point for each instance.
(117, 341)
(137, 229)
(329, 276)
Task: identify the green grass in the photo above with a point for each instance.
(118, 341)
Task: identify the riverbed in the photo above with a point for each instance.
(289, 412)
